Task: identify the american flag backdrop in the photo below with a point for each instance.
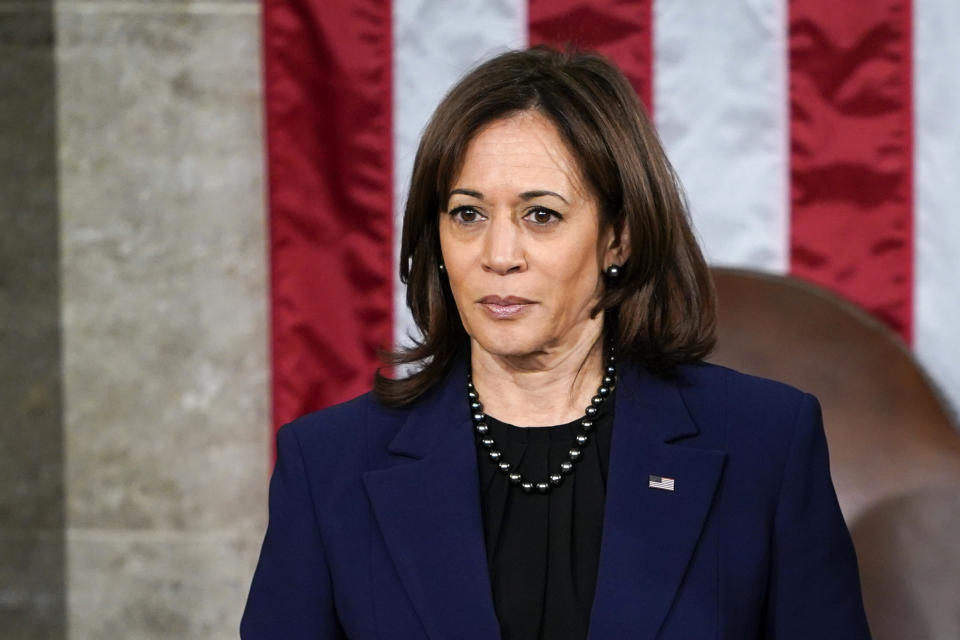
(816, 138)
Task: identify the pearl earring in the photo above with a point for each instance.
(612, 272)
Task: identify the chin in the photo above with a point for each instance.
(509, 341)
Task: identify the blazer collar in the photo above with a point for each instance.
(429, 511)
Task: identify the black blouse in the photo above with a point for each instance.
(543, 550)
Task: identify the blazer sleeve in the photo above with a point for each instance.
(814, 587)
(292, 595)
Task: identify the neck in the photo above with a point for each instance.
(546, 388)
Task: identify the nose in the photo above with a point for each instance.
(503, 247)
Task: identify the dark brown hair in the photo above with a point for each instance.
(660, 312)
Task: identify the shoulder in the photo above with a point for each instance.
(748, 410)
(342, 434)
(702, 381)
(704, 377)
(335, 419)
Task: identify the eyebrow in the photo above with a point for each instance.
(526, 195)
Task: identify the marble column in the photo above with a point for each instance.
(164, 308)
(32, 560)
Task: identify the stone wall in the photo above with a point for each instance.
(141, 299)
(32, 513)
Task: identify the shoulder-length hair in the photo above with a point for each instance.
(660, 312)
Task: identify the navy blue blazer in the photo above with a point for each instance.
(375, 526)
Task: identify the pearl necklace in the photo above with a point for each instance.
(485, 440)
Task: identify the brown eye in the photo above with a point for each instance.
(542, 216)
(465, 215)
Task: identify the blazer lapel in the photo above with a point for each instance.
(649, 534)
(429, 514)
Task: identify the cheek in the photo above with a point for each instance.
(452, 259)
(575, 280)
(458, 274)
(460, 278)
(582, 291)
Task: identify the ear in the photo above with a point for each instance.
(617, 247)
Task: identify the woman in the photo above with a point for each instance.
(562, 464)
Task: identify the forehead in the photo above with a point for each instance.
(519, 148)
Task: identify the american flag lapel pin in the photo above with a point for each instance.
(661, 482)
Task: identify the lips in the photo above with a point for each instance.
(509, 300)
(503, 308)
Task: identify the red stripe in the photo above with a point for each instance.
(329, 139)
(619, 29)
(851, 152)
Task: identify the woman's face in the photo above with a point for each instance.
(521, 241)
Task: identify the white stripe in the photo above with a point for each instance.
(720, 104)
(936, 221)
(435, 42)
